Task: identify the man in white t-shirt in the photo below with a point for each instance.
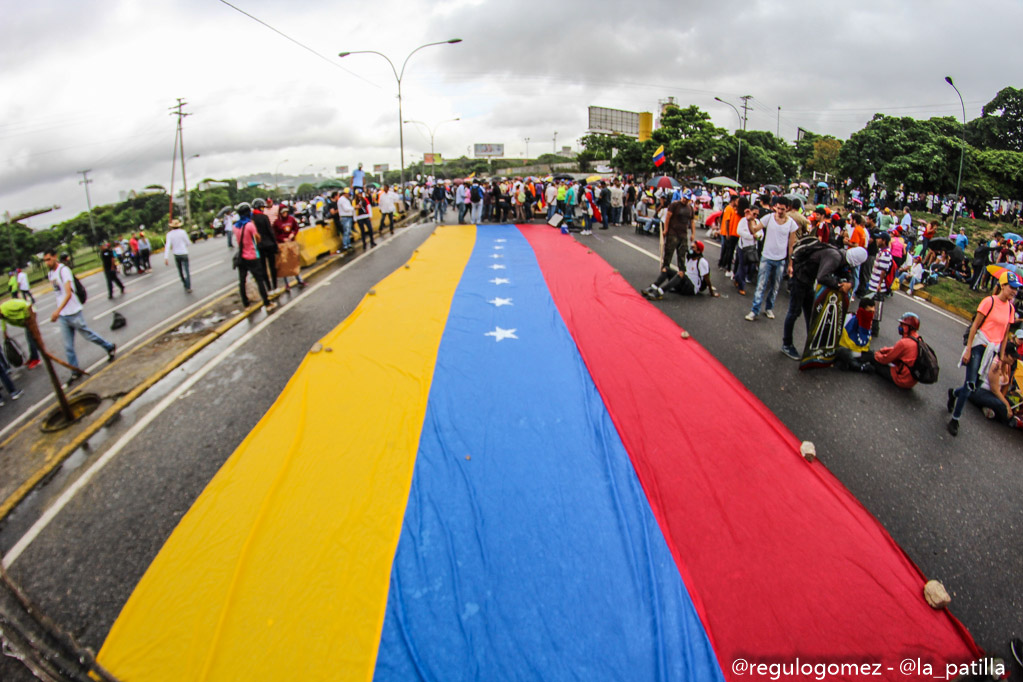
(696, 279)
(69, 312)
(907, 219)
(779, 237)
(24, 288)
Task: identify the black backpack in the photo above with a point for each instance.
(475, 194)
(925, 369)
(801, 252)
(80, 290)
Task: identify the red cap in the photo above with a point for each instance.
(698, 246)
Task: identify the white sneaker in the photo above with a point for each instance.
(751, 317)
(769, 314)
(586, 233)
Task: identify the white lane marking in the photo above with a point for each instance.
(120, 347)
(72, 490)
(918, 301)
(152, 291)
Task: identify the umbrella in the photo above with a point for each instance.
(793, 185)
(1013, 236)
(593, 178)
(712, 218)
(331, 183)
(564, 176)
(941, 244)
(805, 184)
(998, 269)
(222, 212)
(795, 197)
(822, 184)
(663, 181)
(723, 181)
(857, 200)
(772, 188)
(458, 181)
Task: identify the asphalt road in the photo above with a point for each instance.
(150, 300)
(947, 502)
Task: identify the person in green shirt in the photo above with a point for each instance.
(18, 313)
(12, 284)
(885, 220)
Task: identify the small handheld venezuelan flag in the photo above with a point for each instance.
(659, 156)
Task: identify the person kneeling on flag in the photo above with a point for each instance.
(695, 280)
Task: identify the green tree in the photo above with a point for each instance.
(689, 139)
(825, 155)
(1000, 125)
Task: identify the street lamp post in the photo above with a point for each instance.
(432, 130)
(738, 158)
(962, 150)
(277, 184)
(398, 76)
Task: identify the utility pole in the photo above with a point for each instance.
(745, 107)
(527, 148)
(554, 147)
(779, 123)
(176, 110)
(88, 202)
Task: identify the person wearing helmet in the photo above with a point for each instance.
(247, 260)
(695, 280)
(987, 336)
(894, 362)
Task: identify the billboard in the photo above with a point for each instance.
(341, 170)
(430, 157)
(381, 167)
(613, 121)
(487, 150)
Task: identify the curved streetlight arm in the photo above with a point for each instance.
(396, 77)
(738, 158)
(962, 148)
(440, 42)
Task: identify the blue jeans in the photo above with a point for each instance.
(346, 231)
(970, 385)
(477, 213)
(68, 325)
(461, 211)
(768, 279)
(438, 211)
(6, 380)
(616, 215)
(183, 272)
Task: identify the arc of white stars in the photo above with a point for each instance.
(497, 302)
(500, 280)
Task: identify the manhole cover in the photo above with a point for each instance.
(81, 405)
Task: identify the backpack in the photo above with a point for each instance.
(925, 369)
(79, 290)
(801, 252)
(475, 194)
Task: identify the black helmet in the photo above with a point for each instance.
(258, 203)
(243, 207)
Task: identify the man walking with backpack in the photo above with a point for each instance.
(476, 199)
(69, 312)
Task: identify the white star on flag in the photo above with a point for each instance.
(499, 334)
(495, 266)
(498, 302)
(496, 255)
(500, 241)
(500, 280)
(498, 248)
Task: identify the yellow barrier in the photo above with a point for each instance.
(315, 241)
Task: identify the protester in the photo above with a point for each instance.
(694, 280)
(779, 238)
(911, 274)
(439, 199)
(475, 206)
(729, 233)
(23, 286)
(857, 333)
(746, 255)
(267, 244)
(69, 313)
(363, 211)
(386, 202)
(989, 330)
(680, 225)
(18, 313)
(896, 362)
(345, 212)
(286, 230)
(993, 394)
(248, 261)
(145, 250)
(108, 258)
(177, 242)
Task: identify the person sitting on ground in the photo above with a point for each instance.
(856, 336)
(911, 274)
(695, 280)
(993, 395)
(894, 362)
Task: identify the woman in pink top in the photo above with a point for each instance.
(248, 255)
(990, 326)
(898, 249)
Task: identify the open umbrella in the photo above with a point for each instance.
(723, 181)
(712, 218)
(593, 178)
(564, 176)
(772, 188)
(805, 184)
(941, 244)
(822, 184)
(794, 185)
(798, 198)
(1013, 236)
(663, 181)
(224, 211)
(331, 183)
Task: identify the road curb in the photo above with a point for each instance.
(954, 309)
(128, 398)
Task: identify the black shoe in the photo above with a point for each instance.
(951, 404)
(112, 354)
(75, 376)
(953, 427)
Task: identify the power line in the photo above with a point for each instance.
(302, 45)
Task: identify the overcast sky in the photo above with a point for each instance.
(88, 84)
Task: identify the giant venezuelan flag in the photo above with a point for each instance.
(511, 467)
